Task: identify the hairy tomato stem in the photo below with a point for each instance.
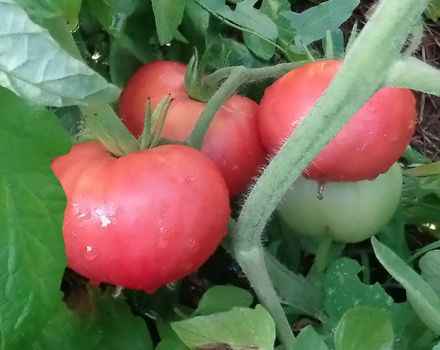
(415, 74)
(253, 265)
(235, 77)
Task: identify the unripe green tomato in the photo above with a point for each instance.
(348, 212)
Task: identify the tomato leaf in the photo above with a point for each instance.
(433, 10)
(343, 291)
(49, 9)
(421, 199)
(294, 289)
(313, 24)
(423, 299)
(111, 326)
(32, 255)
(223, 298)
(34, 66)
(308, 339)
(236, 329)
(393, 235)
(364, 328)
(429, 266)
(244, 15)
(168, 15)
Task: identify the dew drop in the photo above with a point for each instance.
(90, 253)
(192, 245)
(84, 214)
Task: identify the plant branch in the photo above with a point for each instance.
(217, 100)
(253, 265)
(236, 77)
(414, 74)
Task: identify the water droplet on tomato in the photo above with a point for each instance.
(192, 245)
(83, 213)
(90, 253)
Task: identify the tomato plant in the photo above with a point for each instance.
(145, 211)
(135, 221)
(347, 212)
(367, 146)
(232, 141)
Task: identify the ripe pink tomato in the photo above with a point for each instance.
(232, 142)
(143, 220)
(367, 146)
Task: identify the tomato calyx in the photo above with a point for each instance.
(154, 123)
(195, 85)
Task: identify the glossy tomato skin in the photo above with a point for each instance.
(143, 220)
(233, 142)
(367, 146)
(349, 211)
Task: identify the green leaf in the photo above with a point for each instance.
(236, 329)
(245, 16)
(423, 299)
(313, 24)
(32, 257)
(294, 289)
(343, 291)
(429, 266)
(364, 329)
(308, 339)
(34, 66)
(49, 9)
(433, 10)
(168, 15)
(393, 235)
(170, 344)
(223, 298)
(111, 326)
(158, 305)
(425, 170)
(224, 52)
(122, 64)
(437, 347)
(421, 199)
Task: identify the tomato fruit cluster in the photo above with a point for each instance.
(143, 220)
(353, 208)
(232, 141)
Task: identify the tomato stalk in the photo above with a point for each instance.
(235, 77)
(108, 129)
(370, 60)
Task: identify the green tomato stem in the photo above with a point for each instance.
(415, 74)
(217, 100)
(322, 258)
(253, 265)
(235, 77)
(366, 64)
(105, 125)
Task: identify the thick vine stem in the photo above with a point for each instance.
(363, 72)
(235, 77)
(108, 129)
(253, 265)
(415, 74)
